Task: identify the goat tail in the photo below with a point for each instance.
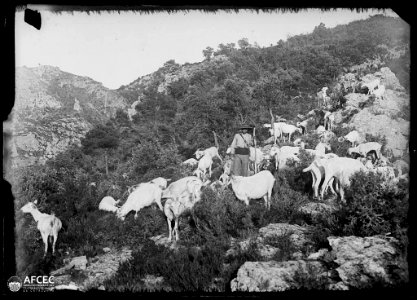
(50, 241)
(307, 169)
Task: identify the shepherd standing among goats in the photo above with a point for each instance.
(240, 149)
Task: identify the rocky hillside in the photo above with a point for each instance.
(54, 109)
(386, 118)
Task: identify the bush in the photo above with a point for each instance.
(185, 270)
(370, 209)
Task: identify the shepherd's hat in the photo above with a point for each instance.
(246, 126)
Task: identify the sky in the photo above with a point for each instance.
(117, 48)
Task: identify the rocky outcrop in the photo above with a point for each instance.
(270, 238)
(363, 262)
(272, 276)
(53, 110)
(352, 263)
(386, 117)
(80, 274)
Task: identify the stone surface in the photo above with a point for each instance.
(93, 275)
(352, 263)
(364, 261)
(316, 208)
(278, 276)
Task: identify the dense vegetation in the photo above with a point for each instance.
(231, 85)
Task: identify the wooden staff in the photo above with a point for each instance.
(254, 142)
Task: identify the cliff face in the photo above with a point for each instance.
(52, 110)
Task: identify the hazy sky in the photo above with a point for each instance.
(117, 48)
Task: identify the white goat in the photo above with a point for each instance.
(326, 136)
(182, 194)
(204, 166)
(277, 131)
(256, 186)
(379, 92)
(256, 155)
(144, 195)
(342, 168)
(160, 181)
(290, 130)
(354, 137)
(212, 152)
(108, 204)
(371, 85)
(303, 126)
(48, 225)
(365, 148)
(401, 166)
(317, 171)
(328, 120)
(283, 155)
(190, 162)
(320, 130)
(319, 151)
(321, 96)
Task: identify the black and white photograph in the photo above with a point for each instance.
(208, 151)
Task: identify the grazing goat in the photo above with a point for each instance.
(48, 225)
(354, 137)
(212, 152)
(379, 92)
(190, 162)
(401, 166)
(365, 148)
(144, 195)
(182, 196)
(290, 130)
(256, 186)
(326, 136)
(277, 131)
(303, 125)
(342, 168)
(320, 129)
(298, 142)
(256, 156)
(108, 204)
(328, 120)
(371, 85)
(204, 165)
(283, 155)
(317, 172)
(160, 181)
(322, 97)
(321, 149)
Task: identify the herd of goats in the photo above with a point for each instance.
(328, 170)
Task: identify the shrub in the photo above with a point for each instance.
(185, 270)
(373, 208)
(370, 209)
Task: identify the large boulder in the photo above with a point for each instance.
(395, 131)
(393, 104)
(389, 80)
(270, 240)
(362, 262)
(352, 263)
(274, 276)
(354, 100)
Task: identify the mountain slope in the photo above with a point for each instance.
(54, 109)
